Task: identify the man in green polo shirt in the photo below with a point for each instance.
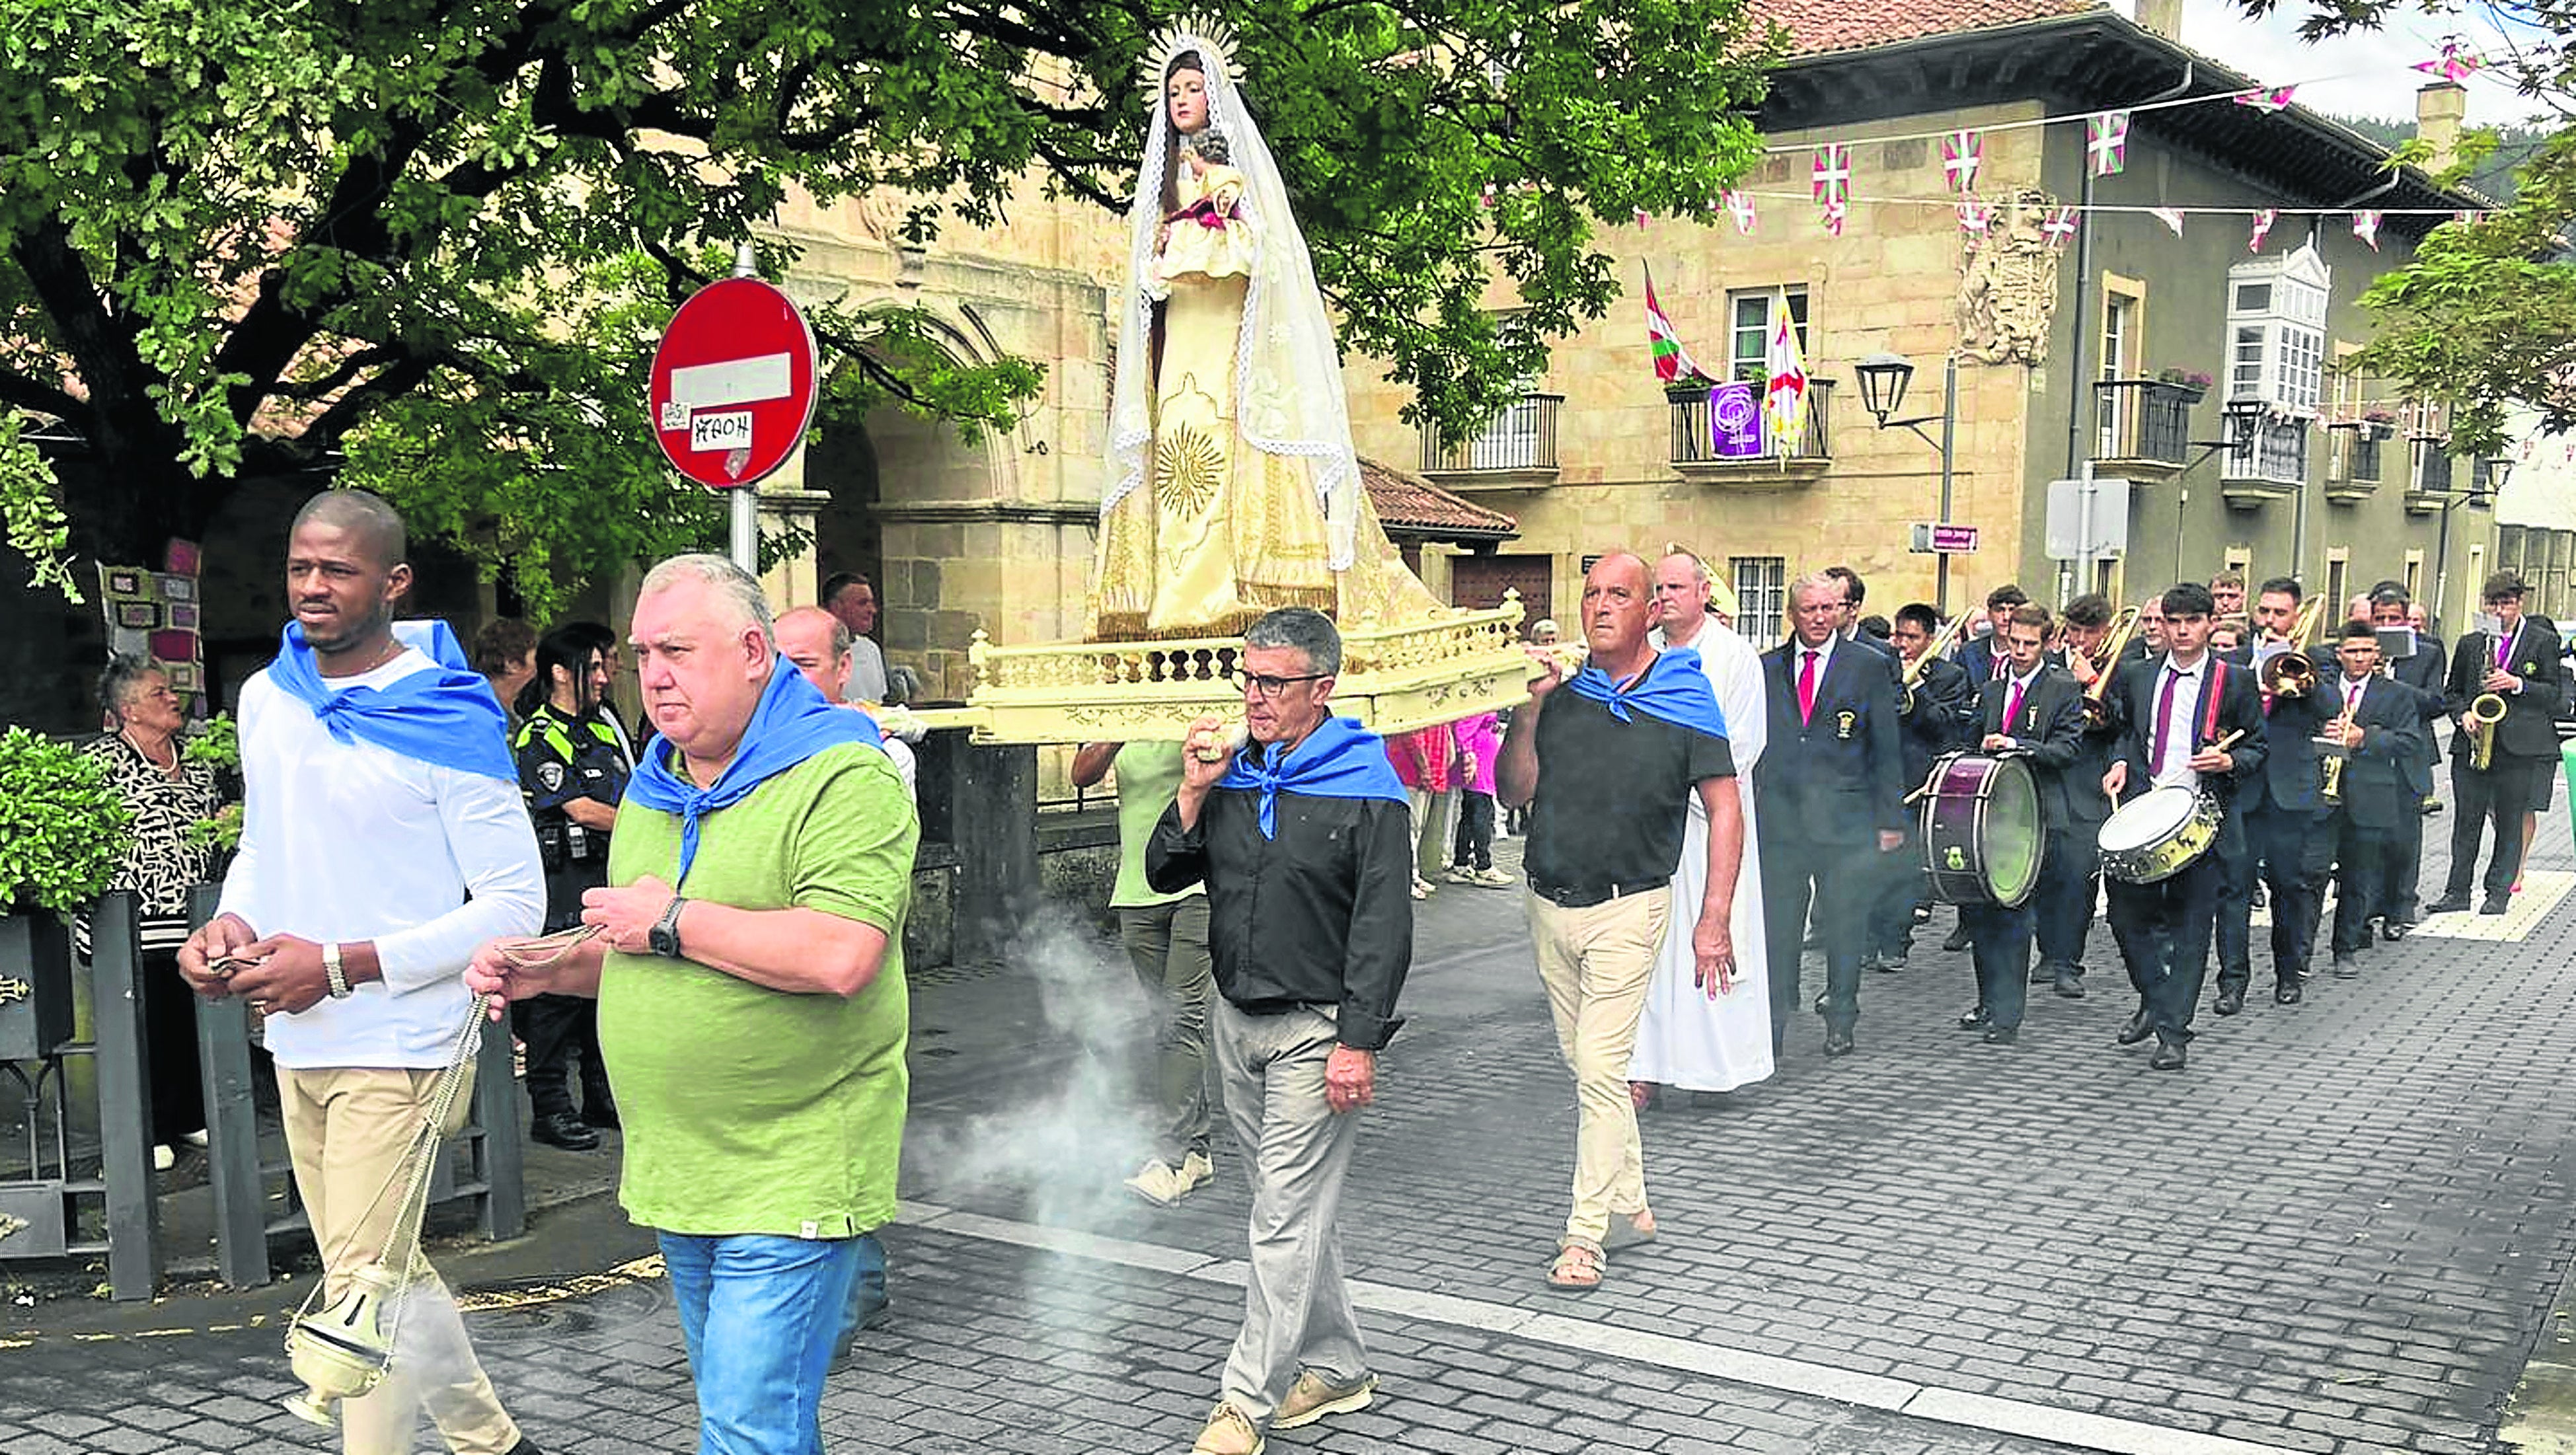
(1167, 938)
(752, 1009)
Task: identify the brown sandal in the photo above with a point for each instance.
(1577, 1268)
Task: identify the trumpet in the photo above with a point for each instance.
(2105, 656)
(2485, 711)
(1913, 675)
(2293, 673)
(2330, 748)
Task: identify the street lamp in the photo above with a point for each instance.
(1883, 377)
(2495, 470)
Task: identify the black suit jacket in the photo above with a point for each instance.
(2528, 729)
(1837, 778)
(2376, 789)
(1977, 658)
(2423, 673)
(2293, 777)
(2239, 709)
(2048, 728)
(1943, 701)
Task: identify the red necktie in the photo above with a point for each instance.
(1807, 687)
(2164, 710)
(2012, 709)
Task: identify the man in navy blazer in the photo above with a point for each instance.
(2422, 671)
(2380, 724)
(1980, 655)
(2284, 812)
(1936, 723)
(2177, 711)
(2518, 662)
(1830, 797)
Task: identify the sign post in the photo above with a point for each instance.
(733, 392)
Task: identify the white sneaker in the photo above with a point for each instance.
(195, 1138)
(163, 1158)
(1198, 1167)
(1494, 878)
(1163, 1184)
(1421, 890)
(1460, 874)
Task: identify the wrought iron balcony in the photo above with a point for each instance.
(1515, 452)
(2143, 426)
(2273, 467)
(1698, 455)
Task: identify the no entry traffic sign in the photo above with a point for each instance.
(733, 383)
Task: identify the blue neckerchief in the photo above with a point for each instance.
(1673, 688)
(792, 724)
(1339, 759)
(447, 717)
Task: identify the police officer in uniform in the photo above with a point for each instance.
(573, 769)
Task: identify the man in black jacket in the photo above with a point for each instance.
(1936, 721)
(2286, 838)
(2070, 878)
(2380, 726)
(2519, 663)
(2034, 710)
(1831, 793)
(2191, 721)
(2422, 671)
(1302, 839)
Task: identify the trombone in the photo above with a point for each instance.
(2485, 711)
(1913, 675)
(2105, 656)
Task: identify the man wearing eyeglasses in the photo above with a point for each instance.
(1301, 837)
(1611, 755)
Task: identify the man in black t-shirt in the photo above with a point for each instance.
(1617, 747)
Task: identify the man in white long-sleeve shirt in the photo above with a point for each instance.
(383, 838)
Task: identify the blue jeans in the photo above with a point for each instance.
(758, 1314)
(868, 1296)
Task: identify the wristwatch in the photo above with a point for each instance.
(665, 936)
(331, 968)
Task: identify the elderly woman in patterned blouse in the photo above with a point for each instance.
(166, 794)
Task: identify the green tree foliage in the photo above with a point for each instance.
(2483, 317)
(427, 244)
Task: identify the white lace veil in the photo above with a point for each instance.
(1288, 373)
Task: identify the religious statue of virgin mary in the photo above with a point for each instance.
(1233, 488)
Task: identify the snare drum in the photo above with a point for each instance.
(2159, 833)
(1981, 830)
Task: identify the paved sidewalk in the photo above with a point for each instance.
(2341, 1230)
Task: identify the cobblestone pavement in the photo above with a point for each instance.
(2341, 1230)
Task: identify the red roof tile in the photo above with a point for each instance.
(1410, 503)
(1819, 26)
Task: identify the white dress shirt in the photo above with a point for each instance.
(2181, 724)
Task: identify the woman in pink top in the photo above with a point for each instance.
(1471, 860)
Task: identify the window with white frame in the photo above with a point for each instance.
(2276, 321)
(1748, 342)
(1760, 585)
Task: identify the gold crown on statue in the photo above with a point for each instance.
(1207, 36)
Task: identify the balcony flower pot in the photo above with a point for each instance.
(62, 834)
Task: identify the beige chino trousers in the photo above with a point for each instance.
(1596, 963)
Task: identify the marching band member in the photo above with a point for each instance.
(2380, 724)
(1935, 724)
(2071, 874)
(2517, 662)
(2038, 710)
(2175, 713)
(2284, 816)
(2421, 671)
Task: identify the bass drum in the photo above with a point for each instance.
(2158, 834)
(1981, 830)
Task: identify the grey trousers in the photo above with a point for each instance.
(1169, 945)
(1296, 1309)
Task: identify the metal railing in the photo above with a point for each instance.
(1522, 437)
(1694, 441)
(2143, 419)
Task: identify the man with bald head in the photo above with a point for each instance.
(752, 1009)
(1609, 757)
(820, 645)
(383, 837)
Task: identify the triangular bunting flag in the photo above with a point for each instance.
(1962, 152)
(2169, 216)
(2365, 226)
(1672, 361)
(1739, 206)
(1832, 171)
(2059, 226)
(1836, 212)
(2106, 142)
(2456, 63)
(2263, 221)
(1641, 219)
(2276, 99)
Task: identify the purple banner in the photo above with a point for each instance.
(1735, 422)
